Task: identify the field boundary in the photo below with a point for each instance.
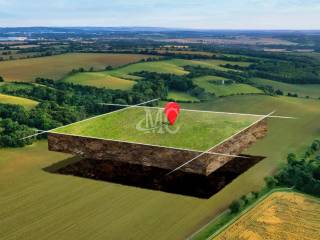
(201, 152)
(203, 111)
(94, 117)
(243, 212)
(222, 142)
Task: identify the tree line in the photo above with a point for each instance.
(302, 174)
(176, 83)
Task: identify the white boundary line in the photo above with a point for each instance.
(203, 153)
(175, 148)
(127, 107)
(39, 132)
(203, 111)
(153, 145)
(101, 115)
(87, 119)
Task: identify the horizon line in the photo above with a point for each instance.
(169, 28)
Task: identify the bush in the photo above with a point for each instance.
(235, 206)
(12, 134)
(271, 182)
(279, 92)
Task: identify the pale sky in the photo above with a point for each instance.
(206, 14)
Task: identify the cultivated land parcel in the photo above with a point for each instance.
(282, 215)
(38, 204)
(193, 130)
(56, 67)
(124, 78)
(27, 103)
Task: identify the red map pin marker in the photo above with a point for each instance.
(172, 111)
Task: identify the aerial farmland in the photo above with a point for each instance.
(176, 132)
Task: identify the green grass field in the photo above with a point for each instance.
(181, 96)
(38, 205)
(14, 86)
(174, 66)
(56, 67)
(195, 130)
(100, 79)
(121, 78)
(27, 103)
(303, 90)
(224, 90)
(167, 66)
(213, 64)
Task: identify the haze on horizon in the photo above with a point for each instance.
(205, 14)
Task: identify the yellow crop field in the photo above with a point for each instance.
(282, 215)
(27, 103)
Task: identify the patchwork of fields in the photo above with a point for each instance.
(282, 215)
(123, 78)
(39, 204)
(56, 67)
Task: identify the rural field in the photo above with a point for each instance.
(90, 147)
(303, 90)
(197, 130)
(27, 103)
(39, 204)
(207, 82)
(213, 64)
(119, 78)
(282, 215)
(100, 79)
(182, 96)
(56, 67)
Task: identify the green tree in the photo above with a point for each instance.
(235, 206)
(271, 182)
(291, 158)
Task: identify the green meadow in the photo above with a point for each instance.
(119, 78)
(193, 130)
(27, 103)
(100, 79)
(207, 83)
(303, 90)
(182, 97)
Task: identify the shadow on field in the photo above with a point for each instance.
(179, 182)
